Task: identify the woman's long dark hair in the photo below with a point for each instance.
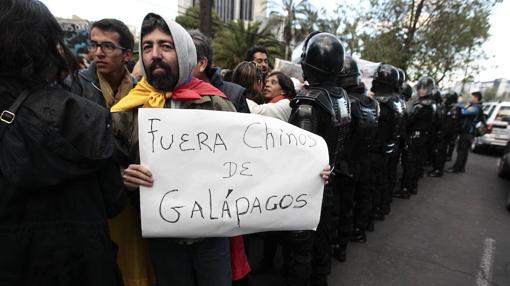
(32, 46)
(246, 74)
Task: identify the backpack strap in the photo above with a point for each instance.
(7, 116)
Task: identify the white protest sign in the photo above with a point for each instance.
(220, 174)
(367, 69)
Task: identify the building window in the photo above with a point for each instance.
(246, 10)
(225, 9)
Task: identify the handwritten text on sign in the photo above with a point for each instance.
(224, 174)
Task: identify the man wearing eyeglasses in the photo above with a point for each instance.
(107, 79)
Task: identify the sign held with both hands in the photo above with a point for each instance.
(221, 174)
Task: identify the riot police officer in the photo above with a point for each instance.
(407, 92)
(448, 133)
(324, 109)
(419, 126)
(385, 86)
(451, 123)
(394, 157)
(439, 137)
(355, 199)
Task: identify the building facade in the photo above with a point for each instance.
(228, 10)
(498, 89)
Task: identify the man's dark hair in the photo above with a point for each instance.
(285, 83)
(152, 22)
(126, 39)
(478, 95)
(32, 48)
(204, 49)
(253, 50)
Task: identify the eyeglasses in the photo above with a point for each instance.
(106, 47)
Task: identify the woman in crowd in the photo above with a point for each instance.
(248, 76)
(279, 92)
(279, 86)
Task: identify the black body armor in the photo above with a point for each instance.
(421, 118)
(325, 111)
(390, 123)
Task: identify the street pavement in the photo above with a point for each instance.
(455, 231)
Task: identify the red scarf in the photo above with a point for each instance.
(195, 89)
(278, 98)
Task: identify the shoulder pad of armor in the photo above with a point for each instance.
(417, 106)
(353, 99)
(316, 96)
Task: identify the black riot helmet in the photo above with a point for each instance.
(407, 91)
(350, 74)
(451, 98)
(426, 82)
(386, 79)
(322, 58)
(401, 78)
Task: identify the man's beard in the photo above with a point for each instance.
(163, 81)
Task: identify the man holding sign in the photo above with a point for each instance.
(168, 57)
(185, 207)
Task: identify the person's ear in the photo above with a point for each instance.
(128, 54)
(202, 64)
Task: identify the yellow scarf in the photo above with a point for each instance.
(142, 94)
(109, 96)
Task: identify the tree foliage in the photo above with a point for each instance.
(288, 14)
(191, 20)
(438, 38)
(231, 43)
(427, 37)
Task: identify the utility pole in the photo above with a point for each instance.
(206, 17)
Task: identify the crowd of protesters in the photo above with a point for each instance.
(69, 156)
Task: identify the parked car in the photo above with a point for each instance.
(504, 162)
(498, 126)
(504, 169)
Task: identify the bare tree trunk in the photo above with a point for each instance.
(412, 28)
(206, 17)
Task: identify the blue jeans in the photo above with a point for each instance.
(204, 263)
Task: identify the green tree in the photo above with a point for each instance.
(307, 23)
(287, 13)
(230, 44)
(191, 20)
(433, 37)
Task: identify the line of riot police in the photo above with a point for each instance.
(368, 132)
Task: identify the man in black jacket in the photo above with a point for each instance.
(204, 71)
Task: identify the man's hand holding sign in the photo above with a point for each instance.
(223, 174)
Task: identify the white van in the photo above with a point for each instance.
(498, 126)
